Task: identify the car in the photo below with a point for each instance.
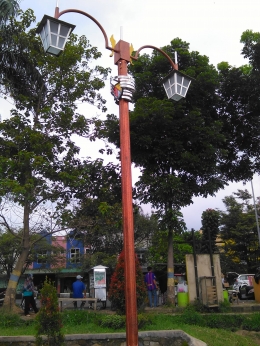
(243, 279)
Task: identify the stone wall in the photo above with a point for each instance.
(149, 338)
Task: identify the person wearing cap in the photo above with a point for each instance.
(28, 294)
(79, 291)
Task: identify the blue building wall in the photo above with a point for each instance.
(77, 247)
(71, 243)
(37, 265)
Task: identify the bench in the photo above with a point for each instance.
(71, 300)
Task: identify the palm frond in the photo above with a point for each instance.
(8, 8)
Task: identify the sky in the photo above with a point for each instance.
(211, 27)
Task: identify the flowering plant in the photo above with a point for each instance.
(49, 320)
(116, 293)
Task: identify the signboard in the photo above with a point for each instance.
(99, 278)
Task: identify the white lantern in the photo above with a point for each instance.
(176, 85)
(54, 34)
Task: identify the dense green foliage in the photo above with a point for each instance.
(97, 222)
(8, 8)
(195, 146)
(239, 234)
(40, 169)
(188, 316)
(210, 227)
(49, 318)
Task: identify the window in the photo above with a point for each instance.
(75, 255)
(42, 257)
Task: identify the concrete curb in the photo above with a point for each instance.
(149, 337)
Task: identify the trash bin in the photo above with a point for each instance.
(183, 299)
(225, 295)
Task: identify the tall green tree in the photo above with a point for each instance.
(210, 230)
(239, 232)
(40, 170)
(193, 147)
(177, 146)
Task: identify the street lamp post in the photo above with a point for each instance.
(54, 34)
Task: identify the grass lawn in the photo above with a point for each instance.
(82, 322)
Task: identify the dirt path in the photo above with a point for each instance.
(253, 335)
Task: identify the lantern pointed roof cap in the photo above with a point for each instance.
(46, 17)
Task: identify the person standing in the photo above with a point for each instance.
(79, 291)
(151, 285)
(28, 294)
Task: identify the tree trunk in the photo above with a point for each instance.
(9, 301)
(170, 271)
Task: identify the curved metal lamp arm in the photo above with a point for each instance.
(174, 66)
(57, 14)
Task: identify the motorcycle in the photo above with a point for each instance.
(246, 292)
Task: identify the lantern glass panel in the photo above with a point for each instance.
(54, 40)
(186, 82)
(179, 79)
(61, 42)
(54, 27)
(172, 80)
(183, 91)
(64, 30)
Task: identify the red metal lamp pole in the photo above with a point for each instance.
(121, 59)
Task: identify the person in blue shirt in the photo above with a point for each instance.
(151, 285)
(79, 291)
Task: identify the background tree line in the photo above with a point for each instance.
(186, 149)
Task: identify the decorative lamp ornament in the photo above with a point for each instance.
(54, 34)
(122, 87)
(176, 85)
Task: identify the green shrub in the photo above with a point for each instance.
(192, 317)
(224, 307)
(252, 322)
(119, 321)
(12, 320)
(77, 317)
(48, 319)
(113, 321)
(231, 322)
(144, 320)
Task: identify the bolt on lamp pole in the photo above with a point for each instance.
(54, 34)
